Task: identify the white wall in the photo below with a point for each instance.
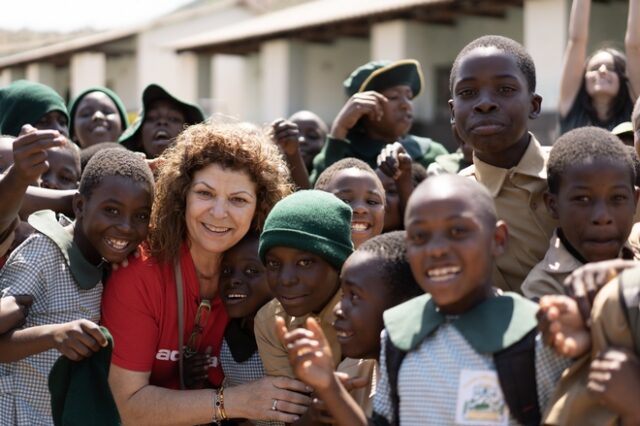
(121, 78)
(157, 63)
(327, 66)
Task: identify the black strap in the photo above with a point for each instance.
(394, 358)
(516, 368)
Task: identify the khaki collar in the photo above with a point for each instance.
(489, 327)
(326, 315)
(558, 260)
(532, 164)
(86, 275)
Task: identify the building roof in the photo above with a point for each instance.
(327, 19)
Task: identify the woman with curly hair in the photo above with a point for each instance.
(215, 184)
(598, 90)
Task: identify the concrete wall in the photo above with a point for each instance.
(327, 65)
(121, 78)
(156, 63)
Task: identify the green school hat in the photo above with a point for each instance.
(26, 102)
(80, 393)
(379, 75)
(122, 111)
(313, 221)
(153, 92)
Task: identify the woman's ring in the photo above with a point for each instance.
(274, 406)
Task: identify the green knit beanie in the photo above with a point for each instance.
(25, 102)
(313, 221)
(122, 111)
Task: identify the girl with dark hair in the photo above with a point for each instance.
(598, 90)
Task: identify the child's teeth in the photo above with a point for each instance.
(443, 273)
(359, 226)
(341, 333)
(117, 244)
(236, 296)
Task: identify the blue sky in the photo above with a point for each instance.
(69, 15)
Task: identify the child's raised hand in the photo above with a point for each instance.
(286, 135)
(309, 353)
(614, 380)
(30, 152)
(584, 283)
(394, 162)
(562, 326)
(368, 104)
(196, 370)
(78, 339)
(14, 311)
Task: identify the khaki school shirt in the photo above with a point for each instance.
(361, 368)
(571, 404)
(517, 193)
(274, 355)
(547, 277)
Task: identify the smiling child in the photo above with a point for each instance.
(62, 268)
(461, 334)
(355, 183)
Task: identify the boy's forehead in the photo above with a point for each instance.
(488, 60)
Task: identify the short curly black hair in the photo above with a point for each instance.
(582, 145)
(510, 47)
(393, 265)
(91, 150)
(115, 162)
(322, 183)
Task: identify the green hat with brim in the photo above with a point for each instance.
(73, 106)
(26, 102)
(153, 92)
(380, 75)
(622, 128)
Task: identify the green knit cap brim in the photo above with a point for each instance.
(26, 102)
(313, 221)
(122, 111)
(193, 114)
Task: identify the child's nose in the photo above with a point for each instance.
(602, 68)
(288, 275)
(600, 214)
(485, 103)
(98, 115)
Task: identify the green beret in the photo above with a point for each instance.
(122, 111)
(380, 75)
(313, 221)
(26, 102)
(153, 92)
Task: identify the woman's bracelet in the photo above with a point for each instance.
(218, 406)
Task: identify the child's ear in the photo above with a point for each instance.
(77, 204)
(500, 238)
(636, 194)
(536, 106)
(452, 111)
(551, 201)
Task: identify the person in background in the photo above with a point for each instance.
(97, 115)
(161, 120)
(25, 102)
(313, 132)
(598, 90)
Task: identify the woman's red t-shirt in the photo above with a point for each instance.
(139, 307)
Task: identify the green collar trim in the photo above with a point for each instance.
(87, 275)
(493, 325)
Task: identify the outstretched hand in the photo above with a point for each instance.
(562, 326)
(286, 135)
(309, 353)
(365, 104)
(394, 162)
(30, 152)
